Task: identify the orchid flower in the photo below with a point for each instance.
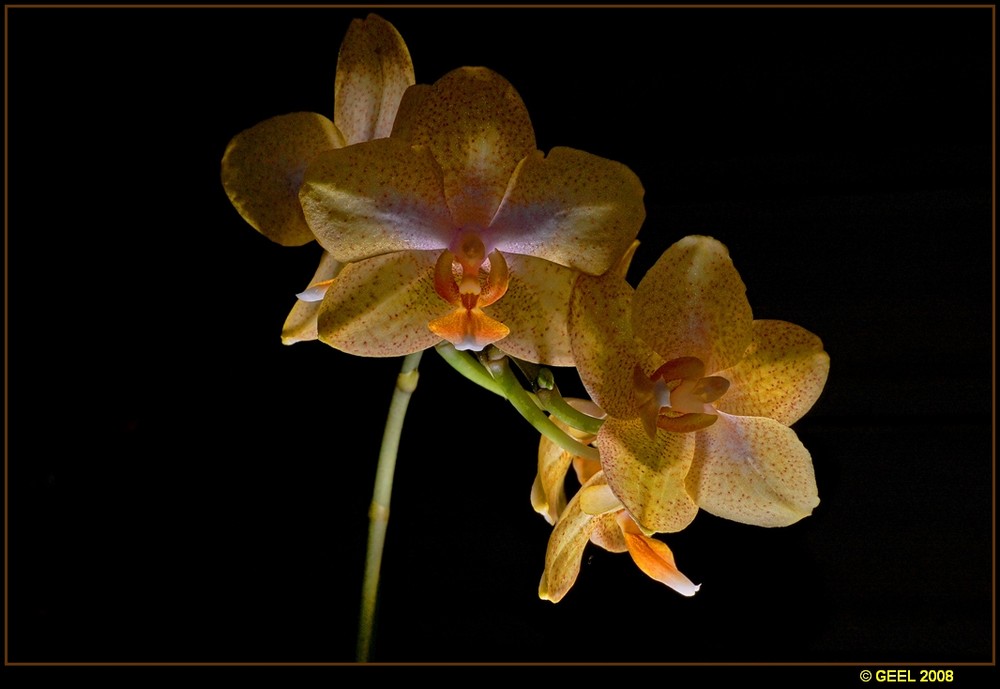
(456, 228)
(699, 395)
(594, 515)
(263, 166)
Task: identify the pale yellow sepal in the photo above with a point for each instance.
(374, 69)
(263, 167)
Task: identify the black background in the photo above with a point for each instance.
(182, 487)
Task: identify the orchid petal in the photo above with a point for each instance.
(381, 306)
(409, 111)
(536, 309)
(647, 474)
(300, 325)
(692, 303)
(654, 558)
(263, 167)
(548, 494)
(597, 500)
(375, 198)
(478, 129)
(571, 208)
(752, 470)
(603, 346)
(373, 71)
(566, 545)
(586, 468)
(781, 377)
(607, 534)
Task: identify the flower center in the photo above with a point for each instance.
(469, 279)
(678, 396)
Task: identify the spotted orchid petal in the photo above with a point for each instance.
(654, 558)
(566, 545)
(647, 473)
(752, 470)
(782, 375)
(607, 535)
(300, 325)
(692, 303)
(373, 71)
(381, 306)
(263, 167)
(535, 308)
(375, 198)
(548, 494)
(603, 346)
(571, 208)
(476, 126)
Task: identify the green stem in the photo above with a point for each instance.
(378, 514)
(561, 409)
(526, 405)
(468, 367)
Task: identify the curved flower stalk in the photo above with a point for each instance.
(699, 395)
(456, 228)
(594, 515)
(263, 166)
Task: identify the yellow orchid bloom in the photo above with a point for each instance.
(594, 515)
(263, 166)
(456, 228)
(699, 395)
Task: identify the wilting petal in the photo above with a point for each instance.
(548, 494)
(607, 534)
(536, 308)
(373, 71)
(647, 474)
(478, 129)
(381, 306)
(604, 349)
(752, 470)
(262, 170)
(300, 325)
(692, 303)
(654, 557)
(374, 198)
(781, 377)
(566, 544)
(571, 208)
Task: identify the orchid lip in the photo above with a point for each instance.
(469, 279)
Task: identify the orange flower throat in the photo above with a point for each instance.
(678, 397)
(467, 278)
